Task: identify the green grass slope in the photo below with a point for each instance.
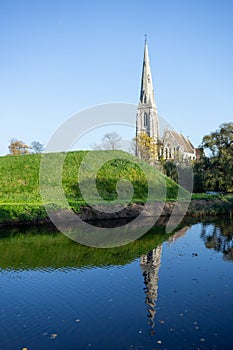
(20, 191)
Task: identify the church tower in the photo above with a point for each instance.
(147, 116)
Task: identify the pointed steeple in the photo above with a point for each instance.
(147, 117)
(147, 91)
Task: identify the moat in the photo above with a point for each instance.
(160, 292)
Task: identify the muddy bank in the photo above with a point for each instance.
(196, 208)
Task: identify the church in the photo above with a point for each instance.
(167, 144)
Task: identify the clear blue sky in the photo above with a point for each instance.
(59, 57)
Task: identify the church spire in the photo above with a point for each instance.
(147, 91)
(147, 121)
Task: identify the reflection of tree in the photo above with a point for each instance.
(150, 265)
(216, 237)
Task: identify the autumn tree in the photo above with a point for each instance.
(18, 147)
(146, 147)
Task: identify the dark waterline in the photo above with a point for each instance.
(159, 292)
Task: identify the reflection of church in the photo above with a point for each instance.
(169, 145)
(150, 265)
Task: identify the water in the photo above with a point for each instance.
(159, 292)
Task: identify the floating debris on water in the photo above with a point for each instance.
(53, 336)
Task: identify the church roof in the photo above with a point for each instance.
(181, 141)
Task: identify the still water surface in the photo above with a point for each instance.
(159, 292)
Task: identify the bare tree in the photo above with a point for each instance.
(111, 140)
(37, 147)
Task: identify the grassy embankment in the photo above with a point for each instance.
(20, 198)
(211, 205)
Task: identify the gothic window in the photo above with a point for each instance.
(146, 119)
(145, 98)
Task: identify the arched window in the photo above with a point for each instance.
(146, 119)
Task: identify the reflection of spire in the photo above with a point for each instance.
(178, 234)
(150, 265)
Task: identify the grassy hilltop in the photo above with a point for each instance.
(20, 197)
